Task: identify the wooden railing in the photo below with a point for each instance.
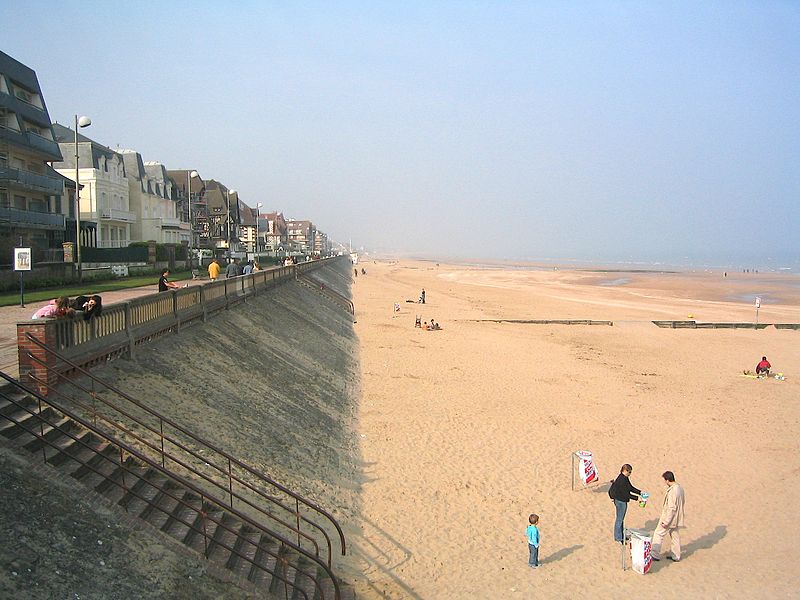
(125, 325)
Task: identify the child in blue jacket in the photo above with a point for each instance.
(532, 532)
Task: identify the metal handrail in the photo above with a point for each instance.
(204, 496)
(227, 490)
(332, 294)
(232, 460)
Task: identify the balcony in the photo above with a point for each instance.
(173, 223)
(32, 181)
(33, 220)
(115, 214)
(45, 145)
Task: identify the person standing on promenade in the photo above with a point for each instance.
(164, 284)
(671, 518)
(532, 533)
(213, 270)
(248, 268)
(621, 492)
(232, 270)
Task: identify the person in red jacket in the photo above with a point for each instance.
(763, 366)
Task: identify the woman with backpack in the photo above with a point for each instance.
(620, 492)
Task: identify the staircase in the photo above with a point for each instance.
(278, 557)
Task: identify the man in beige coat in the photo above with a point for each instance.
(671, 519)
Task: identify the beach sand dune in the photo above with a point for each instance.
(466, 431)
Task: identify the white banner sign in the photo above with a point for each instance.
(22, 259)
(586, 466)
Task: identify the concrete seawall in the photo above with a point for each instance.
(274, 381)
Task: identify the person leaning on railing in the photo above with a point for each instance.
(57, 307)
(87, 307)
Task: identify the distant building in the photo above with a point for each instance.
(104, 189)
(321, 244)
(199, 207)
(223, 216)
(275, 233)
(302, 236)
(247, 227)
(32, 202)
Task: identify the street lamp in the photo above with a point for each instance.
(189, 176)
(228, 228)
(258, 218)
(79, 122)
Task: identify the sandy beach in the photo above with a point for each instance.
(466, 431)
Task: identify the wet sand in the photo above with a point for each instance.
(467, 430)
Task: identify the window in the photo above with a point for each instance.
(38, 205)
(27, 96)
(20, 203)
(8, 120)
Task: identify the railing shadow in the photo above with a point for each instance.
(381, 551)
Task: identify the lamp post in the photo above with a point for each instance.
(258, 225)
(228, 228)
(189, 176)
(79, 122)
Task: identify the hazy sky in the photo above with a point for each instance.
(593, 130)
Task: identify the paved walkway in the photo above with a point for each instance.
(11, 315)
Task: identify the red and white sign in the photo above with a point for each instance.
(641, 552)
(758, 302)
(586, 466)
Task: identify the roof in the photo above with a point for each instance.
(66, 138)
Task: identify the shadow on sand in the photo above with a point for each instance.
(702, 543)
(563, 553)
(382, 552)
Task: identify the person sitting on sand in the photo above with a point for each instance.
(763, 367)
(435, 326)
(425, 326)
(418, 322)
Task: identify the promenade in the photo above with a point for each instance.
(11, 315)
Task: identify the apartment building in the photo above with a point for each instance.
(105, 190)
(151, 199)
(321, 244)
(32, 206)
(302, 236)
(247, 227)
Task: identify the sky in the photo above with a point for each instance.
(595, 131)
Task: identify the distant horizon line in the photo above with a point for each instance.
(767, 264)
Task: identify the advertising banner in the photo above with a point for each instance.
(641, 546)
(586, 467)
